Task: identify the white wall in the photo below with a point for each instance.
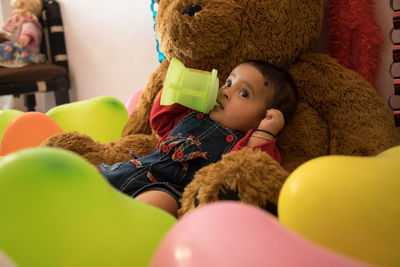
(111, 48)
(1, 14)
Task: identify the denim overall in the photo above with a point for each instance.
(196, 141)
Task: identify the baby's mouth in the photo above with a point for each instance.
(218, 105)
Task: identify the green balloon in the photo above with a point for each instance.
(103, 118)
(6, 116)
(57, 210)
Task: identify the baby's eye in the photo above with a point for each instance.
(228, 83)
(244, 93)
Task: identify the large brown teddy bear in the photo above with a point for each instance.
(338, 112)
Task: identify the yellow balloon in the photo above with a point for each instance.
(6, 116)
(57, 210)
(348, 204)
(103, 118)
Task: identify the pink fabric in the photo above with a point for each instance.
(25, 26)
(10, 25)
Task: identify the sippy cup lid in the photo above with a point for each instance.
(213, 92)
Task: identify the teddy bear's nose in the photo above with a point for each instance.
(191, 10)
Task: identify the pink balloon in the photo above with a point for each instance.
(236, 234)
(132, 101)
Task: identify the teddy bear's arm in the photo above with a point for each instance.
(249, 175)
(139, 120)
(98, 152)
(358, 122)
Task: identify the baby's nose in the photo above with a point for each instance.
(226, 93)
(221, 94)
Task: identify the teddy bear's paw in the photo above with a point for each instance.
(233, 195)
(248, 175)
(81, 144)
(223, 194)
(228, 194)
(67, 140)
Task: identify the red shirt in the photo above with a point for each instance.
(164, 118)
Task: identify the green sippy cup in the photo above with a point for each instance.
(195, 89)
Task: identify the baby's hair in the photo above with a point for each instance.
(285, 92)
(27, 8)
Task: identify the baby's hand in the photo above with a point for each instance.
(273, 121)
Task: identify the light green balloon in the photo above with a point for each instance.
(6, 116)
(103, 118)
(57, 210)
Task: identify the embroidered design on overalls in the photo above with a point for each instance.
(151, 178)
(169, 143)
(180, 156)
(137, 163)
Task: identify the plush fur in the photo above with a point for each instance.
(338, 112)
(355, 37)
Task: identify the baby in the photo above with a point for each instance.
(254, 103)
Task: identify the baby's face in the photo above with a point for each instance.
(244, 99)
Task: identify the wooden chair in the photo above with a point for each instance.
(49, 76)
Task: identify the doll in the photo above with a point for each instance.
(22, 35)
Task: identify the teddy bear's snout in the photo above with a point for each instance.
(191, 10)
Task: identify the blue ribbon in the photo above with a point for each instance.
(161, 55)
